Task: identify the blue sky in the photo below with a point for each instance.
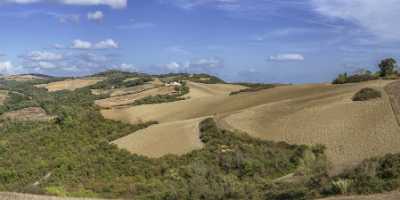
(291, 41)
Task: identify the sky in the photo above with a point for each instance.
(286, 41)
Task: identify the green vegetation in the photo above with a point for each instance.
(253, 87)
(375, 175)
(177, 96)
(366, 94)
(73, 157)
(387, 67)
(118, 79)
(199, 78)
(356, 78)
(387, 70)
(76, 151)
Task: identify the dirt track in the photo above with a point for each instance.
(71, 84)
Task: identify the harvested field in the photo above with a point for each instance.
(199, 90)
(28, 114)
(169, 138)
(71, 84)
(19, 196)
(387, 196)
(300, 114)
(131, 98)
(328, 118)
(3, 96)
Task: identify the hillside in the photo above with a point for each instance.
(201, 140)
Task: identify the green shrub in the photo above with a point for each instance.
(356, 78)
(366, 94)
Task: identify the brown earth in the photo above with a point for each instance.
(28, 114)
(71, 84)
(300, 114)
(328, 118)
(168, 138)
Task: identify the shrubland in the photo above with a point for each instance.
(387, 70)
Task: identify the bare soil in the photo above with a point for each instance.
(298, 114)
(168, 138)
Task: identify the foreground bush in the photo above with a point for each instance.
(366, 94)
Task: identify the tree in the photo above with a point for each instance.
(387, 66)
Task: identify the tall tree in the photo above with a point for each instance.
(387, 66)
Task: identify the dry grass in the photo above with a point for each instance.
(71, 84)
(28, 114)
(3, 96)
(131, 98)
(18, 196)
(158, 140)
(387, 196)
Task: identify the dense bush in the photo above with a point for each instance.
(366, 94)
(200, 78)
(344, 78)
(118, 79)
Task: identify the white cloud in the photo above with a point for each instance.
(80, 44)
(376, 16)
(174, 66)
(106, 44)
(95, 16)
(85, 45)
(6, 67)
(287, 57)
(44, 56)
(112, 3)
